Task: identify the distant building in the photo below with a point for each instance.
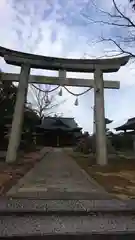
(58, 131)
(129, 125)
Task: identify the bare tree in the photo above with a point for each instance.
(120, 20)
(44, 99)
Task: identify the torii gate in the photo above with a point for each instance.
(97, 66)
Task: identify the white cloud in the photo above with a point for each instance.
(67, 41)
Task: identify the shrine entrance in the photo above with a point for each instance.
(96, 66)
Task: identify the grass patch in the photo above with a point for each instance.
(118, 177)
(11, 173)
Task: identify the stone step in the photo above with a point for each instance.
(105, 225)
(19, 205)
(106, 219)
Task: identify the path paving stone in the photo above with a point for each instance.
(58, 176)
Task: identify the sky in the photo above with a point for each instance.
(65, 28)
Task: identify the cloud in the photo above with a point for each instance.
(61, 30)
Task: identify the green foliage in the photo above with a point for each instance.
(7, 100)
(8, 93)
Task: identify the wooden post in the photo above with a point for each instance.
(15, 136)
(101, 146)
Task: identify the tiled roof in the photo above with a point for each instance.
(59, 122)
(129, 125)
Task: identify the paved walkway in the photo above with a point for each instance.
(58, 176)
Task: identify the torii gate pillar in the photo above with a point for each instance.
(16, 129)
(99, 118)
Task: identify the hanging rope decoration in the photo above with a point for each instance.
(62, 75)
(45, 91)
(74, 94)
(77, 94)
(60, 92)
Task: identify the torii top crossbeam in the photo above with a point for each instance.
(52, 63)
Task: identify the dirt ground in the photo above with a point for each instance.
(118, 177)
(11, 173)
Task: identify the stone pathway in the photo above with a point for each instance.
(58, 176)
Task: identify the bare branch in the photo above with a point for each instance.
(118, 46)
(124, 16)
(119, 17)
(55, 105)
(108, 22)
(125, 42)
(43, 102)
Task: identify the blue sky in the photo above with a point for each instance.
(59, 28)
